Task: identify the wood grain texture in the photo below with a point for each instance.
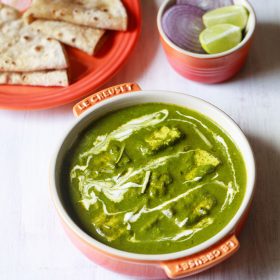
(33, 245)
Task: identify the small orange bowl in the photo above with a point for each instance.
(208, 68)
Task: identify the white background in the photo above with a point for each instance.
(32, 242)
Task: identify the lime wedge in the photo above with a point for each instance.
(236, 15)
(220, 38)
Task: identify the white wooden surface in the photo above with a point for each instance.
(32, 243)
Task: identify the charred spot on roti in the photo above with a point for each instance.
(27, 38)
(61, 13)
(30, 18)
(39, 48)
(73, 40)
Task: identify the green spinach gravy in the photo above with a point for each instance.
(153, 178)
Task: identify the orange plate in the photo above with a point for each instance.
(87, 73)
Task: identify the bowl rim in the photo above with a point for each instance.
(110, 251)
(251, 29)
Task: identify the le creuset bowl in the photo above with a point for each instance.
(172, 265)
(208, 68)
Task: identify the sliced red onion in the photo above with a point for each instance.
(182, 24)
(206, 4)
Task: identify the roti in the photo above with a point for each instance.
(23, 50)
(104, 14)
(81, 37)
(8, 13)
(39, 78)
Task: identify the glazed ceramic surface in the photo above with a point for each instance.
(208, 68)
(173, 265)
(86, 72)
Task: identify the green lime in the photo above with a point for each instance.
(220, 38)
(236, 15)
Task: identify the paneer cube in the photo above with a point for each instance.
(162, 138)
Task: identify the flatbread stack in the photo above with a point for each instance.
(31, 52)
(28, 58)
(78, 23)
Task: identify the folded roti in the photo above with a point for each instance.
(8, 13)
(39, 78)
(23, 50)
(104, 14)
(81, 37)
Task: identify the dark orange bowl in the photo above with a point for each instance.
(87, 72)
(208, 68)
(150, 266)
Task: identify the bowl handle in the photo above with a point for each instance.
(91, 100)
(196, 263)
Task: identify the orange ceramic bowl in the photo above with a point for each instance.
(158, 266)
(87, 72)
(208, 68)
